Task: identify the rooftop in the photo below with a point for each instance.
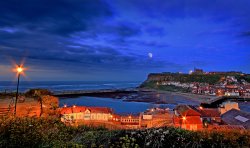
(78, 109)
(236, 117)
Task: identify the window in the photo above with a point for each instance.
(193, 127)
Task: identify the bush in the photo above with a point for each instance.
(37, 92)
(51, 132)
(175, 137)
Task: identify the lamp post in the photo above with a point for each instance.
(19, 70)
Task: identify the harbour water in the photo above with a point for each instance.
(119, 106)
(123, 107)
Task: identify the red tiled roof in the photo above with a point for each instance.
(116, 116)
(231, 86)
(209, 112)
(66, 110)
(99, 110)
(185, 110)
(78, 109)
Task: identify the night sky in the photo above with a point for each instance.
(122, 40)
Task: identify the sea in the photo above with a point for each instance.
(118, 105)
(10, 86)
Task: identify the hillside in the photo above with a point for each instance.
(155, 78)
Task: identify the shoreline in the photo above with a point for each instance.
(140, 95)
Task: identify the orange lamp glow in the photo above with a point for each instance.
(19, 69)
(184, 118)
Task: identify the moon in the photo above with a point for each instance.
(150, 55)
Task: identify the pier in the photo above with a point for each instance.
(214, 102)
(90, 92)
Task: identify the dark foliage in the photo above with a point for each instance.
(37, 92)
(51, 132)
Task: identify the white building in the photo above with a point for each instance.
(226, 106)
(83, 113)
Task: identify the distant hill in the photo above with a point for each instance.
(210, 78)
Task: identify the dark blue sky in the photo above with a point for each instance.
(110, 40)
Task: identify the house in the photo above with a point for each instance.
(130, 120)
(226, 106)
(232, 90)
(186, 117)
(83, 113)
(209, 116)
(220, 92)
(237, 117)
(235, 94)
(247, 88)
(198, 71)
(115, 118)
(245, 91)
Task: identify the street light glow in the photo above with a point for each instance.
(19, 69)
(184, 118)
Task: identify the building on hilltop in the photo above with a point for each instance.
(198, 71)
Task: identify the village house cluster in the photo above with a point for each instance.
(226, 116)
(154, 117)
(228, 86)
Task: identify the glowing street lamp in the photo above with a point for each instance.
(19, 71)
(184, 118)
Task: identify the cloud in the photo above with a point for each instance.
(61, 17)
(75, 36)
(246, 33)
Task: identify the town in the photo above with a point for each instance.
(228, 84)
(227, 116)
